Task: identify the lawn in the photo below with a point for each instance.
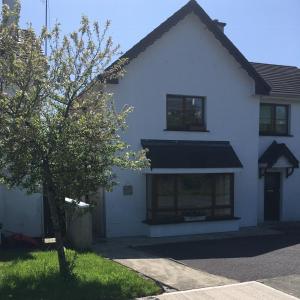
(34, 275)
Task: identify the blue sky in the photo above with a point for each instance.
(264, 30)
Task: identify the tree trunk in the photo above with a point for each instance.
(56, 222)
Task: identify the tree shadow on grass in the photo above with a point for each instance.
(11, 255)
(54, 287)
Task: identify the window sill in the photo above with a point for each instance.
(186, 130)
(276, 134)
(153, 222)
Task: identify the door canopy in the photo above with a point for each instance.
(278, 156)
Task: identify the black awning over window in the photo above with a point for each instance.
(274, 152)
(191, 154)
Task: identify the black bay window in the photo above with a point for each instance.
(185, 113)
(178, 197)
(274, 119)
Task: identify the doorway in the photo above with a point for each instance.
(98, 213)
(272, 197)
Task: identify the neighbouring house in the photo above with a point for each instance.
(223, 136)
(20, 212)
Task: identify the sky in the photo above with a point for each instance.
(263, 30)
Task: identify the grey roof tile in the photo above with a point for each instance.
(284, 80)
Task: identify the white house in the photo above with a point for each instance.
(223, 135)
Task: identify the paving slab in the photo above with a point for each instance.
(288, 284)
(173, 274)
(241, 291)
(170, 273)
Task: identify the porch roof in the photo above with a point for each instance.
(176, 154)
(274, 152)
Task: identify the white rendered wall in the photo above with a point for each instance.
(290, 187)
(187, 60)
(21, 213)
(192, 228)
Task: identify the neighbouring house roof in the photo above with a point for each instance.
(276, 151)
(283, 80)
(190, 154)
(192, 6)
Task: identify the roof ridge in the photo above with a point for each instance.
(261, 85)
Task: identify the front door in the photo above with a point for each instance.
(272, 196)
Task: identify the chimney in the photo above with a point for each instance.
(220, 25)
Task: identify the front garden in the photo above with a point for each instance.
(35, 275)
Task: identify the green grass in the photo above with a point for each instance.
(34, 275)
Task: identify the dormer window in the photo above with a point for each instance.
(274, 119)
(185, 113)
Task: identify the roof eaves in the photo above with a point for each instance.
(261, 86)
(286, 96)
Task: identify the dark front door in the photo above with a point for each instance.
(272, 197)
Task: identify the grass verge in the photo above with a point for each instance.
(34, 275)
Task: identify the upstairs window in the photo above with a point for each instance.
(274, 119)
(185, 113)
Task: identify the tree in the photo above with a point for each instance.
(59, 129)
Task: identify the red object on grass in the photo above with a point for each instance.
(23, 238)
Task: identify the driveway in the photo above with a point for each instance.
(273, 260)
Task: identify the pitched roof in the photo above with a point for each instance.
(191, 154)
(274, 152)
(192, 6)
(284, 80)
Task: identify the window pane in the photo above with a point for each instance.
(165, 192)
(174, 113)
(265, 122)
(281, 127)
(191, 195)
(194, 115)
(207, 212)
(194, 192)
(281, 112)
(281, 119)
(223, 212)
(166, 215)
(223, 196)
(274, 118)
(185, 113)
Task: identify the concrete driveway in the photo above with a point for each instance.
(273, 260)
(245, 291)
